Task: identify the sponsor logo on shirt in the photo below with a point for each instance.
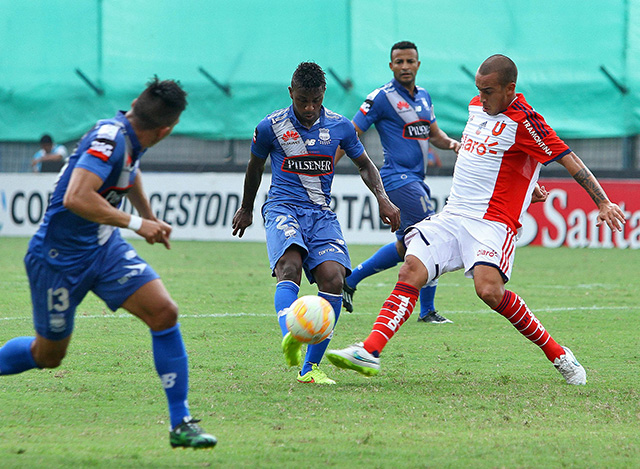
(366, 106)
(487, 253)
(290, 135)
(102, 148)
(418, 130)
(536, 137)
(403, 106)
(308, 165)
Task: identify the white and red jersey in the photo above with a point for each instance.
(499, 162)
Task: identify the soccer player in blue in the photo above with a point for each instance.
(403, 116)
(302, 231)
(78, 248)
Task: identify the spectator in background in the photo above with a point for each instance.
(49, 152)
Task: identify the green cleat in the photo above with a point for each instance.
(291, 349)
(316, 376)
(189, 435)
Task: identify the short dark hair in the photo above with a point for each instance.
(308, 76)
(506, 68)
(46, 138)
(403, 45)
(160, 104)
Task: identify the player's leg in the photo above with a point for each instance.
(127, 281)
(329, 276)
(54, 300)
(489, 285)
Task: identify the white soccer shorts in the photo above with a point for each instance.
(446, 242)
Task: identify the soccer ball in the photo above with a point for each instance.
(310, 319)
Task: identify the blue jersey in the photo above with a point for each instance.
(302, 160)
(110, 150)
(403, 123)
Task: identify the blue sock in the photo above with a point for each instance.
(170, 358)
(15, 356)
(384, 258)
(427, 298)
(315, 352)
(286, 293)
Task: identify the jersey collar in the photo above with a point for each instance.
(133, 138)
(297, 123)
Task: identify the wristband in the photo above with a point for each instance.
(135, 223)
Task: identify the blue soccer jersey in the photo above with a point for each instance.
(110, 150)
(302, 160)
(403, 123)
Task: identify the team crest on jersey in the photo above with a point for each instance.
(418, 130)
(308, 165)
(324, 136)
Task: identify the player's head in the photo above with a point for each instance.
(496, 81)
(158, 109)
(46, 143)
(404, 63)
(307, 89)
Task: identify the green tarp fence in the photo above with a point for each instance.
(66, 63)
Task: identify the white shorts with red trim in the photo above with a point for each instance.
(446, 242)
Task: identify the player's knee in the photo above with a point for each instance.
(489, 293)
(49, 360)
(165, 317)
(413, 272)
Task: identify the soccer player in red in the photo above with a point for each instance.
(503, 146)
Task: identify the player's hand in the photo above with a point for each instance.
(612, 215)
(454, 145)
(155, 231)
(540, 194)
(389, 213)
(242, 219)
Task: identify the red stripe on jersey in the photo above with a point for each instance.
(97, 154)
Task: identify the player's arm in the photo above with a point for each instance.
(340, 151)
(389, 213)
(83, 199)
(252, 178)
(140, 201)
(440, 139)
(609, 212)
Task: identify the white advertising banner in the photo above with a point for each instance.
(200, 206)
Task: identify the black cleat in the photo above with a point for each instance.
(434, 318)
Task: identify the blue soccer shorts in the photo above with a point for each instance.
(114, 273)
(414, 202)
(316, 231)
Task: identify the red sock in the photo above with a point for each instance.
(395, 311)
(516, 311)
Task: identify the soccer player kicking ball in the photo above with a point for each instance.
(503, 145)
(78, 249)
(302, 230)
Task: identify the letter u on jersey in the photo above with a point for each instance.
(498, 128)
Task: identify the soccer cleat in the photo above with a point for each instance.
(434, 318)
(572, 371)
(356, 358)
(190, 435)
(291, 349)
(316, 376)
(347, 296)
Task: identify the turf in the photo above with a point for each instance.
(469, 394)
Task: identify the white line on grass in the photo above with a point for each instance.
(262, 315)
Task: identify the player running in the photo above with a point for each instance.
(302, 231)
(78, 248)
(503, 146)
(405, 120)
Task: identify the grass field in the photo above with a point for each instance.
(470, 394)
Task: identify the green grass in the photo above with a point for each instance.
(470, 394)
